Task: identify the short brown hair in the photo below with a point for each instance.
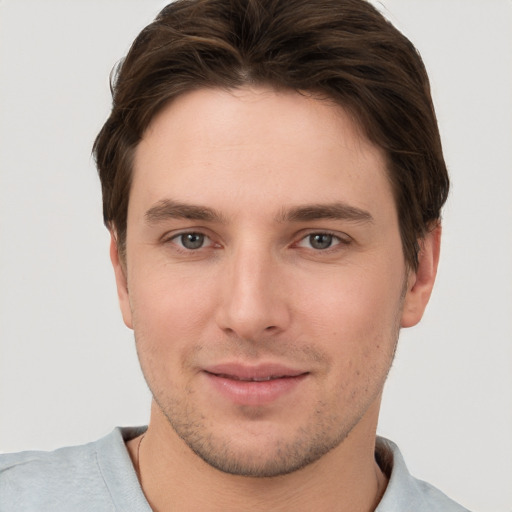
(343, 49)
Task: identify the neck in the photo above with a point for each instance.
(174, 478)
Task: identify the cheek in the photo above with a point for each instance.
(358, 329)
(356, 319)
(170, 311)
(352, 301)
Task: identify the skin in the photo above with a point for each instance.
(297, 263)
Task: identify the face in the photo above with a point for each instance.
(264, 276)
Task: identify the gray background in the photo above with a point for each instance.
(68, 371)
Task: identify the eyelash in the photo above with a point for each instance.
(181, 247)
(340, 241)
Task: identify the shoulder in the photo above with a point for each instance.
(69, 478)
(404, 492)
(49, 480)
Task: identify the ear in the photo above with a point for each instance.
(121, 281)
(421, 281)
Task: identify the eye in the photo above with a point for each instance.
(321, 241)
(191, 241)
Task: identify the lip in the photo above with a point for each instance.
(254, 385)
(262, 371)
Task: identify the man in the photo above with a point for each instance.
(272, 180)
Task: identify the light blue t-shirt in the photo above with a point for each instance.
(99, 477)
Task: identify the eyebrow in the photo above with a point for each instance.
(335, 211)
(169, 209)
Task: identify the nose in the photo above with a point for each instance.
(253, 300)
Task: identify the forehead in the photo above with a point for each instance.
(257, 146)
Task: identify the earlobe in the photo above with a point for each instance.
(121, 281)
(421, 281)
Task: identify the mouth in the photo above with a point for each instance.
(254, 373)
(254, 385)
(253, 379)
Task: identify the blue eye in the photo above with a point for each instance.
(191, 241)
